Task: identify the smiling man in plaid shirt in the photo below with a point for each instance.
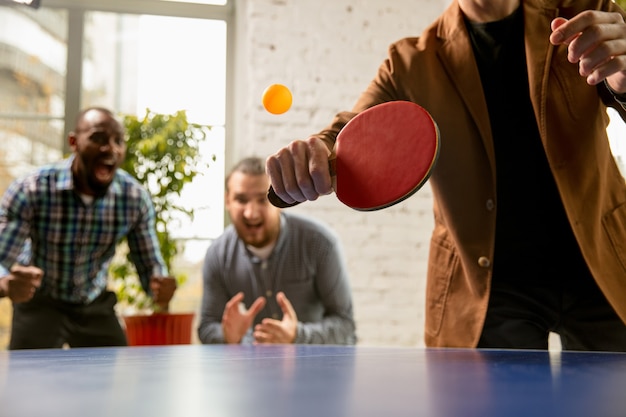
(59, 227)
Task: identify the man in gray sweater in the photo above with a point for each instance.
(273, 277)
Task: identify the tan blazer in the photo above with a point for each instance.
(437, 70)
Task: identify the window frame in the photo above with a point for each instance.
(76, 23)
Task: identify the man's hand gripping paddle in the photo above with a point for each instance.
(382, 156)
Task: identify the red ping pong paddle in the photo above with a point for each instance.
(383, 155)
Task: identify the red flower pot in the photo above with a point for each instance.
(159, 329)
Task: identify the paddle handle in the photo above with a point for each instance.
(278, 202)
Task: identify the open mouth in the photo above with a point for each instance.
(253, 226)
(104, 171)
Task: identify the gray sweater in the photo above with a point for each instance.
(306, 264)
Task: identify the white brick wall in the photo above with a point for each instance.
(326, 52)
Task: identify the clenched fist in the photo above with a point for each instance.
(21, 283)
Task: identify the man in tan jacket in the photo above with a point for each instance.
(530, 207)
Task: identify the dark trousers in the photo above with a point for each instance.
(47, 323)
(521, 317)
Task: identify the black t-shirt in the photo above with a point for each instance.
(534, 240)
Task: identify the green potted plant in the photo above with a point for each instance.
(162, 154)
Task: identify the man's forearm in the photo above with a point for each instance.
(210, 333)
(332, 330)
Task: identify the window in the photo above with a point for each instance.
(165, 55)
(137, 62)
(218, 2)
(33, 54)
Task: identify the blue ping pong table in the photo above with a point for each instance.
(316, 381)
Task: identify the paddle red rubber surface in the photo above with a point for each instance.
(384, 155)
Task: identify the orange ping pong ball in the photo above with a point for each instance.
(277, 99)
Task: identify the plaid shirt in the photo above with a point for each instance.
(73, 242)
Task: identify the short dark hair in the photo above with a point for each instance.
(252, 165)
(81, 114)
